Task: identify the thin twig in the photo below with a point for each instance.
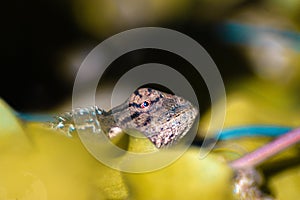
(256, 157)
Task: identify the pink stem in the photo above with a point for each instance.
(256, 157)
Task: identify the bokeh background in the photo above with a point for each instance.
(254, 43)
(44, 42)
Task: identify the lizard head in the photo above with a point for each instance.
(163, 118)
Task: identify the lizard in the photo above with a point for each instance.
(162, 117)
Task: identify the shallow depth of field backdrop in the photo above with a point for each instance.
(255, 45)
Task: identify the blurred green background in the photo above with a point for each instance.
(255, 45)
(44, 42)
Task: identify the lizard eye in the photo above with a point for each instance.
(145, 104)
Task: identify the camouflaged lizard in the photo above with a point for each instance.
(163, 118)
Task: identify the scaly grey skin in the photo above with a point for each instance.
(161, 117)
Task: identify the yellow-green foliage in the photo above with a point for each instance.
(38, 163)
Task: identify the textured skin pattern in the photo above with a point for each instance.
(161, 117)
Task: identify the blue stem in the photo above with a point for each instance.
(226, 134)
(244, 34)
(253, 131)
(35, 117)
